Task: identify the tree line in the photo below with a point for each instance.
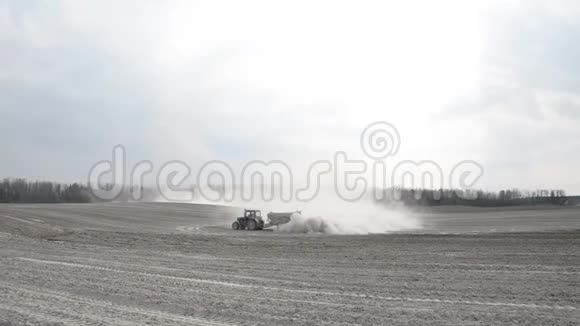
(24, 191)
(506, 197)
(20, 190)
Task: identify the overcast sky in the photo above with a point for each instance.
(493, 81)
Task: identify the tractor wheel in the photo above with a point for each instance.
(251, 225)
(236, 225)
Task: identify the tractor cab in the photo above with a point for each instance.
(250, 213)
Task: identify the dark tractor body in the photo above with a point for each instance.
(252, 220)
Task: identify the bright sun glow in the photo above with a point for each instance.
(372, 58)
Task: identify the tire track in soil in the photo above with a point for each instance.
(42, 295)
(273, 317)
(318, 263)
(44, 318)
(199, 229)
(33, 222)
(189, 270)
(278, 281)
(221, 230)
(53, 315)
(243, 320)
(314, 292)
(514, 269)
(345, 298)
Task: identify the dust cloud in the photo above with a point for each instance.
(331, 215)
(351, 218)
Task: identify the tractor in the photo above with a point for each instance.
(252, 220)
